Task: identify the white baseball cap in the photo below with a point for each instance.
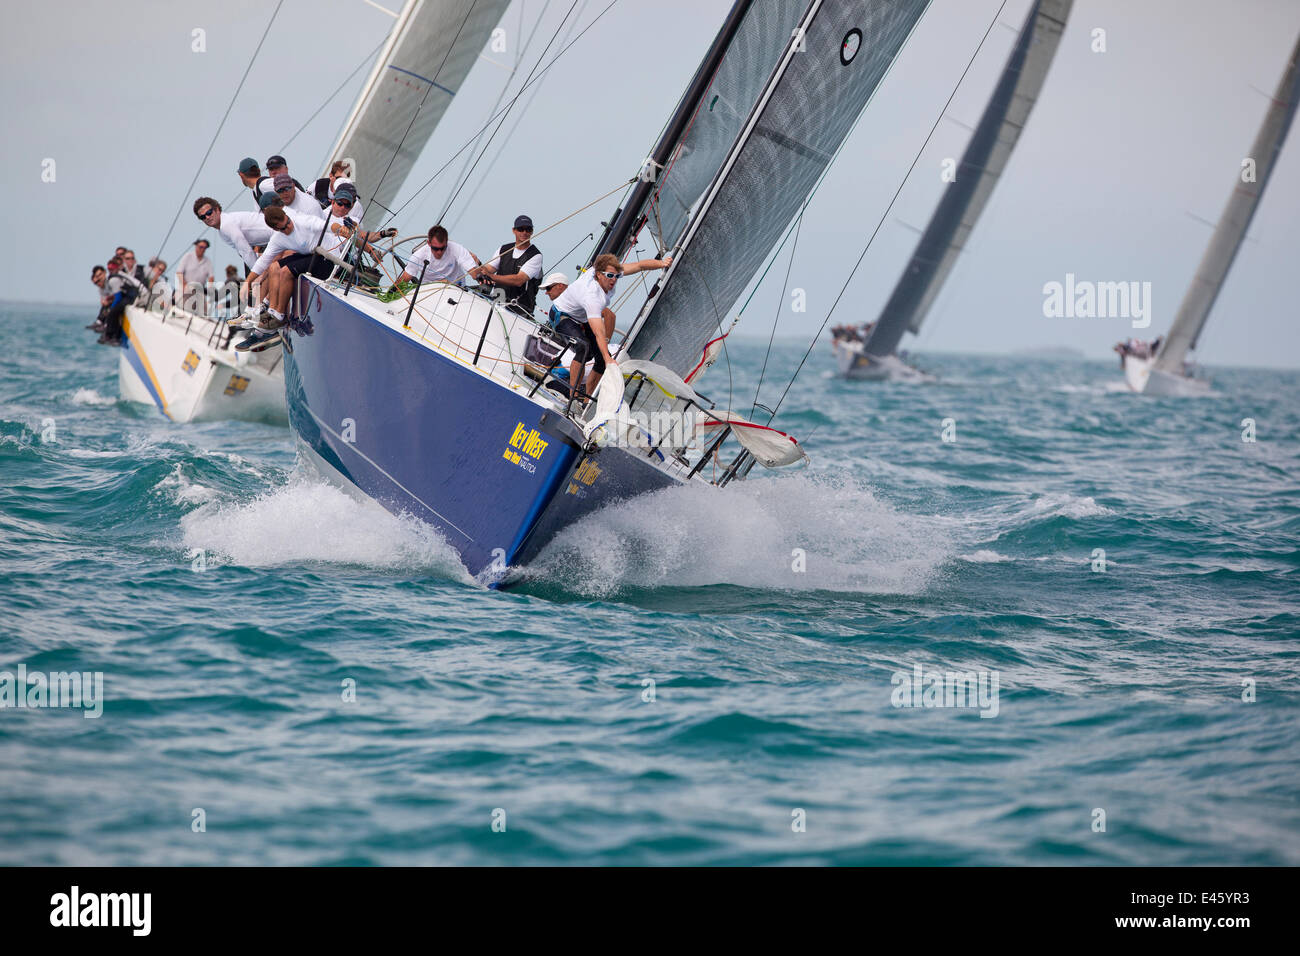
(554, 279)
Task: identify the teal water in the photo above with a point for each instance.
(1119, 690)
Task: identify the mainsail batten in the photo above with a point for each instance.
(978, 174)
(1233, 223)
(430, 51)
(836, 56)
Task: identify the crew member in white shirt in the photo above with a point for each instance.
(242, 231)
(193, 272)
(288, 255)
(517, 268)
(440, 259)
(586, 318)
(293, 198)
(250, 174)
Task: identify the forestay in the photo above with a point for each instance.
(430, 51)
(986, 156)
(835, 57)
(1214, 266)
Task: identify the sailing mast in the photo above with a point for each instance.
(432, 46)
(1231, 230)
(831, 63)
(630, 218)
(981, 167)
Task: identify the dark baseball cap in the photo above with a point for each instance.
(247, 165)
(268, 199)
(275, 161)
(282, 181)
(523, 222)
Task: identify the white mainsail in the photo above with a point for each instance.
(1228, 234)
(430, 51)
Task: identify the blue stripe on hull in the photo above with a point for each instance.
(423, 434)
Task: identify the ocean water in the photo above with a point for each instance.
(779, 621)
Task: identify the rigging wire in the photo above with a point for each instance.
(393, 213)
(780, 302)
(519, 118)
(416, 112)
(519, 58)
(217, 132)
(450, 202)
(885, 214)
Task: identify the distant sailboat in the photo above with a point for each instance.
(1161, 370)
(871, 355)
(429, 405)
(185, 363)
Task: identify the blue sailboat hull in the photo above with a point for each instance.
(422, 433)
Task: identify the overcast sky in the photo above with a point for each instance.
(1125, 153)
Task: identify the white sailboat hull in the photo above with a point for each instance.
(855, 364)
(175, 361)
(1141, 375)
(1177, 386)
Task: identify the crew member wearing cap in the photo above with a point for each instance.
(242, 231)
(324, 189)
(193, 273)
(517, 268)
(440, 259)
(344, 211)
(554, 285)
(250, 174)
(586, 318)
(276, 165)
(293, 197)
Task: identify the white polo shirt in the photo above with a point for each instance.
(306, 229)
(455, 264)
(243, 230)
(584, 297)
(193, 268)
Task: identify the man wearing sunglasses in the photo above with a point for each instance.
(517, 268)
(288, 255)
(242, 231)
(585, 315)
(344, 211)
(440, 259)
(293, 198)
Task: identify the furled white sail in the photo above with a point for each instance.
(429, 53)
(1214, 266)
(981, 167)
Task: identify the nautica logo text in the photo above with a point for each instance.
(102, 909)
(1098, 300)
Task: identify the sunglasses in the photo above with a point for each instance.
(286, 189)
(437, 248)
(517, 229)
(345, 203)
(286, 227)
(612, 275)
(206, 213)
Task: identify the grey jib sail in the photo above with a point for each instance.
(740, 79)
(981, 166)
(430, 51)
(839, 52)
(1214, 265)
